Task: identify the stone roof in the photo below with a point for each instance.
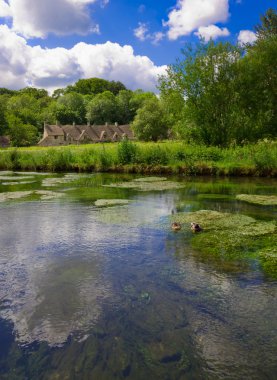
(81, 133)
(53, 130)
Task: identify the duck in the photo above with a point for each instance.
(176, 226)
(195, 227)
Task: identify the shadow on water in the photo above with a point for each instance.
(112, 293)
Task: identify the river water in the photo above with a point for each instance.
(91, 292)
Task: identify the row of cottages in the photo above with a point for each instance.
(84, 134)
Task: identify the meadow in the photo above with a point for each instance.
(167, 157)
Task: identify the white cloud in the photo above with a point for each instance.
(141, 32)
(246, 37)
(157, 37)
(33, 18)
(189, 15)
(211, 31)
(5, 10)
(22, 65)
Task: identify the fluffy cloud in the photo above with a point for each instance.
(246, 37)
(22, 65)
(212, 31)
(141, 32)
(190, 15)
(5, 10)
(33, 18)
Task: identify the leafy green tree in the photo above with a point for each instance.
(125, 114)
(71, 108)
(257, 89)
(26, 108)
(206, 80)
(150, 121)
(36, 93)
(268, 26)
(94, 86)
(3, 110)
(102, 108)
(21, 134)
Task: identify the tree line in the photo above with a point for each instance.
(216, 94)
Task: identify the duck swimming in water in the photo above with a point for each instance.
(195, 227)
(176, 226)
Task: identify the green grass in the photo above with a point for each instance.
(169, 157)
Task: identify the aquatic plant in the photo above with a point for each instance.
(265, 200)
(149, 184)
(232, 236)
(110, 202)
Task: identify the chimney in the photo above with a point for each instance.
(116, 124)
(88, 123)
(57, 123)
(106, 124)
(73, 124)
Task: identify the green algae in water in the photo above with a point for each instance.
(111, 202)
(264, 200)
(17, 195)
(150, 179)
(149, 184)
(233, 236)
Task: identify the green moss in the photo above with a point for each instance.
(232, 236)
(265, 200)
(150, 179)
(149, 184)
(111, 202)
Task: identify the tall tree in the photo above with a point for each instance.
(205, 80)
(102, 108)
(268, 26)
(150, 122)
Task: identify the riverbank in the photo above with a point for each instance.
(168, 157)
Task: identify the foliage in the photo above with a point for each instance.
(21, 134)
(150, 122)
(268, 26)
(102, 108)
(205, 79)
(127, 152)
(70, 108)
(94, 86)
(170, 157)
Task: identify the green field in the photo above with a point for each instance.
(164, 157)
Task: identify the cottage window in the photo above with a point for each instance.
(55, 137)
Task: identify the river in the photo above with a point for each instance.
(94, 284)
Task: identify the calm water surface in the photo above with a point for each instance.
(91, 292)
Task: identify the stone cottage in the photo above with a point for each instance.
(84, 134)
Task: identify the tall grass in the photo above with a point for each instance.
(164, 157)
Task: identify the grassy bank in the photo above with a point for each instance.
(167, 157)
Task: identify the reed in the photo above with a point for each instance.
(170, 157)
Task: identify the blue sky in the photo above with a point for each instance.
(53, 43)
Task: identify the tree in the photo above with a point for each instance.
(206, 81)
(21, 134)
(26, 108)
(150, 122)
(102, 108)
(70, 108)
(268, 26)
(94, 86)
(257, 88)
(125, 114)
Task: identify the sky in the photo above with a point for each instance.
(53, 43)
